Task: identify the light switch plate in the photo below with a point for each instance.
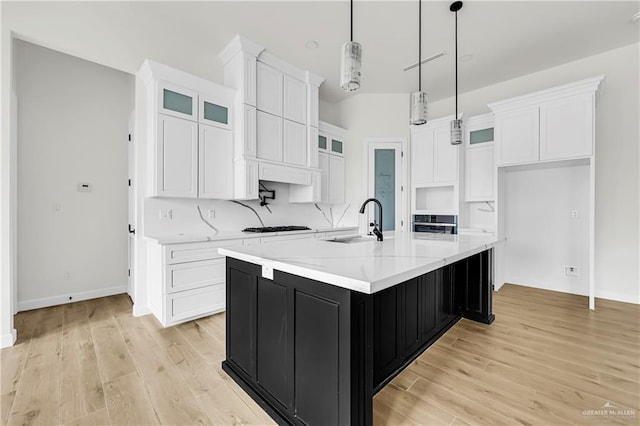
(267, 272)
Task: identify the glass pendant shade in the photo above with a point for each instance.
(456, 132)
(418, 108)
(350, 64)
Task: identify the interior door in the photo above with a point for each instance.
(385, 183)
(132, 205)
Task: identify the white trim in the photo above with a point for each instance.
(8, 339)
(239, 44)
(618, 297)
(44, 302)
(402, 202)
(575, 88)
(141, 310)
(325, 127)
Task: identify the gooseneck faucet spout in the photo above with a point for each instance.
(376, 231)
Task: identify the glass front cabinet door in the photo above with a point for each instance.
(177, 101)
(215, 112)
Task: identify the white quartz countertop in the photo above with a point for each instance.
(365, 266)
(179, 238)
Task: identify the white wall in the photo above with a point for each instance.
(617, 145)
(543, 237)
(369, 116)
(72, 127)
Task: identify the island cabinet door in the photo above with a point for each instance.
(274, 334)
(387, 330)
(429, 297)
(411, 308)
(446, 309)
(473, 280)
(241, 309)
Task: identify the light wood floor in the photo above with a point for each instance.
(546, 360)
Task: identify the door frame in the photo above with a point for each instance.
(399, 144)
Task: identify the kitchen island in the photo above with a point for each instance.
(315, 328)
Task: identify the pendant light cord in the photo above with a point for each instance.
(419, 45)
(456, 60)
(351, 20)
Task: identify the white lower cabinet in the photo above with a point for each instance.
(187, 281)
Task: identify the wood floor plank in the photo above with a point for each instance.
(413, 408)
(12, 360)
(128, 402)
(81, 384)
(97, 418)
(545, 360)
(171, 398)
(37, 398)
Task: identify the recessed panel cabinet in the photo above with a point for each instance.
(269, 139)
(330, 147)
(177, 157)
(216, 171)
(294, 143)
(554, 124)
(269, 89)
(433, 159)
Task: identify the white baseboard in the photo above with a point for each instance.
(44, 302)
(618, 297)
(600, 294)
(140, 310)
(8, 339)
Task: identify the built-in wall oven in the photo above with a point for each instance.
(435, 223)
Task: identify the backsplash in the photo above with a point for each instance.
(180, 215)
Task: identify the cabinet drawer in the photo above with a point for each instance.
(181, 253)
(186, 276)
(195, 303)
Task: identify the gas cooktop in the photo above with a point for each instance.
(277, 229)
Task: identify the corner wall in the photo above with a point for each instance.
(72, 125)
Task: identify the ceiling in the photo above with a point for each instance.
(507, 38)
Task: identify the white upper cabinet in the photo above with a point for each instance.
(295, 100)
(323, 161)
(433, 159)
(215, 169)
(517, 132)
(330, 148)
(269, 89)
(445, 155)
(177, 101)
(553, 124)
(422, 158)
(566, 127)
(294, 143)
(177, 157)
(215, 112)
(479, 166)
(191, 122)
(336, 179)
(269, 141)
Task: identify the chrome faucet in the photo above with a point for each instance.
(376, 231)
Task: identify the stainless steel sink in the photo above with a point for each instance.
(352, 239)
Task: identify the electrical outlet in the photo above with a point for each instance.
(211, 214)
(574, 213)
(165, 214)
(571, 271)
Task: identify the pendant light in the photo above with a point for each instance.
(456, 124)
(419, 98)
(350, 62)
